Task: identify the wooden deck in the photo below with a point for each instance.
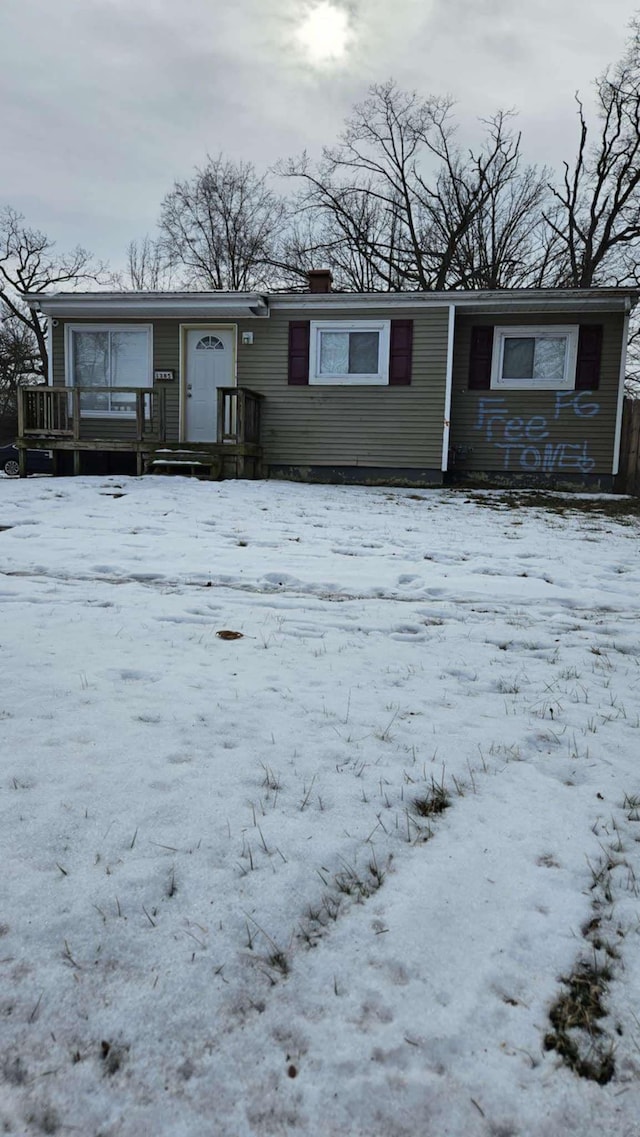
(59, 418)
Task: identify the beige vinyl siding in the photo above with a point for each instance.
(395, 427)
(57, 344)
(535, 432)
(109, 429)
(166, 356)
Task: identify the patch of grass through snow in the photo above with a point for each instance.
(434, 801)
(623, 509)
(577, 1036)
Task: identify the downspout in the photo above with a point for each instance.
(446, 428)
(49, 351)
(623, 367)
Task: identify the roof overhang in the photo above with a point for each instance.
(133, 305)
(474, 303)
(214, 306)
(532, 300)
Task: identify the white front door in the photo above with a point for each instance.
(209, 366)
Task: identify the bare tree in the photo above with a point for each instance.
(399, 205)
(597, 216)
(29, 263)
(18, 364)
(222, 227)
(149, 268)
(475, 208)
(340, 227)
(362, 193)
(508, 244)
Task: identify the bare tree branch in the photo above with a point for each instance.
(30, 263)
(222, 227)
(397, 204)
(597, 216)
(149, 269)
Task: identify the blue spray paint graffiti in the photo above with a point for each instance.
(526, 441)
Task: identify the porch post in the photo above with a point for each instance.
(20, 411)
(76, 414)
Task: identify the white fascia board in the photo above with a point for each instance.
(212, 305)
(527, 302)
(546, 299)
(98, 305)
(557, 300)
(497, 308)
(374, 301)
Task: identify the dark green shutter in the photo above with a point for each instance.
(480, 356)
(589, 357)
(400, 353)
(299, 331)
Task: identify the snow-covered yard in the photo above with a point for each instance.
(232, 902)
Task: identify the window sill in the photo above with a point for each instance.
(528, 385)
(348, 381)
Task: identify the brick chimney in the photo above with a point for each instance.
(320, 280)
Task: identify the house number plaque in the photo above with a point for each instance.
(163, 376)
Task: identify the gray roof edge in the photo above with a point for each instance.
(188, 305)
(259, 304)
(523, 298)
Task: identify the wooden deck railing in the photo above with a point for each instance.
(238, 415)
(65, 412)
(82, 418)
(45, 411)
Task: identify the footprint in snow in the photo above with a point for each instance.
(356, 551)
(409, 579)
(304, 633)
(130, 675)
(408, 632)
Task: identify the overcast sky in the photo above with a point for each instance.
(103, 103)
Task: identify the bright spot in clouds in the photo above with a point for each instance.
(324, 33)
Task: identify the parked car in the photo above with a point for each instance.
(38, 461)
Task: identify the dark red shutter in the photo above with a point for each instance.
(299, 353)
(400, 353)
(589, 355)
(480, 357)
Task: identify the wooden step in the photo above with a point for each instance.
(195, 463)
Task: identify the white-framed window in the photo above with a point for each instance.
(349, 352)
(109, 356)
(535, 358)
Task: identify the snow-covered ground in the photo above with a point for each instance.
(221, 912)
